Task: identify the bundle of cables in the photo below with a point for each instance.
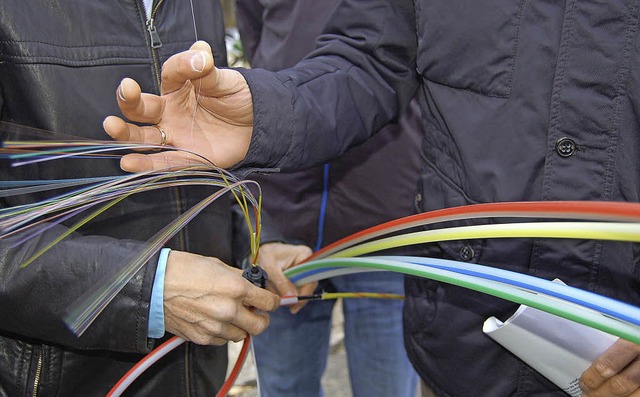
(568, 220)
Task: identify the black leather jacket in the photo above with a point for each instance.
(60, 64)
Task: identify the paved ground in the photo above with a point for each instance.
(335, 381)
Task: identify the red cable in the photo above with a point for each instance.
(140, 363)
(236, 368)
(588, 210)
(223, 390)
(592, 210)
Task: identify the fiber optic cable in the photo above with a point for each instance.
(583, 210)
(559, 307)
(291, 300)
(84, 311)
(605, 305)
(593, 211)
(615, 231)
(175, 341)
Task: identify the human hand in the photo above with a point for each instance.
(202, 109)
(209, 303)
(615, 373)
(275, 258)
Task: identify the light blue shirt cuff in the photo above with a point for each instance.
(156, 307)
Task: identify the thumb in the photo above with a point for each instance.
(197, 62)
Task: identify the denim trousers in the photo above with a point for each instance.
(291, 355)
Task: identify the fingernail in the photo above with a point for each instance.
(198, 61)
(121, 93)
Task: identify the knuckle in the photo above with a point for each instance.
(214, 329)
(604, 367)
(239, 337)
(262, 322)
(621, 385)
(225, 311)
(237, 290)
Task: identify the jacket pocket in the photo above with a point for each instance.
(469, 44)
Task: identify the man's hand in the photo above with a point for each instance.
(615, 373)
(202, 109)
(209, 303)
(275, 258)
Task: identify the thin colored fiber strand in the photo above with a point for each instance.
(375, 295)
(86, 309)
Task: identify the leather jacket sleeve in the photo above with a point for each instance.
(34, 298)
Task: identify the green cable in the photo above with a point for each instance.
(561, 308)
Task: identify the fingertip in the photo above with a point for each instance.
(297, 307)
(133, 162)
(128, 89)
(201, 45)
(115, 127)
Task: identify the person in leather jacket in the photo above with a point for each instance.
(60, 63)
(520, 101)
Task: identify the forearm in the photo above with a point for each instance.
(343, 92)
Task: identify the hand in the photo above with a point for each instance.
(615, 373)
(275, 258)
(209, 303)
(202, 109)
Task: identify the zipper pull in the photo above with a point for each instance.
(153, 34)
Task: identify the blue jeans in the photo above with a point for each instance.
(291, 355)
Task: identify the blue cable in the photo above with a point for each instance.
(603, 304)
(323, 207)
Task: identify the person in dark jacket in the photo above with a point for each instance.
(368, 185)
(60, 63)
(520, 101)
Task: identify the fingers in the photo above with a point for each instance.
(280, 283)
(223, 323)
(206, 300)
(261, 299)
(206, 322)
(119, 130)
(165, 161)
(136, 106)
(615, 373)
(197, 65)
(193, 64)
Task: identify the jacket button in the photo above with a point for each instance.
(565, 147)
(467, 253)
(417, 200)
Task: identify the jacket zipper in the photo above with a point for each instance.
(36, 380)
(156, 43)
(154, 37)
